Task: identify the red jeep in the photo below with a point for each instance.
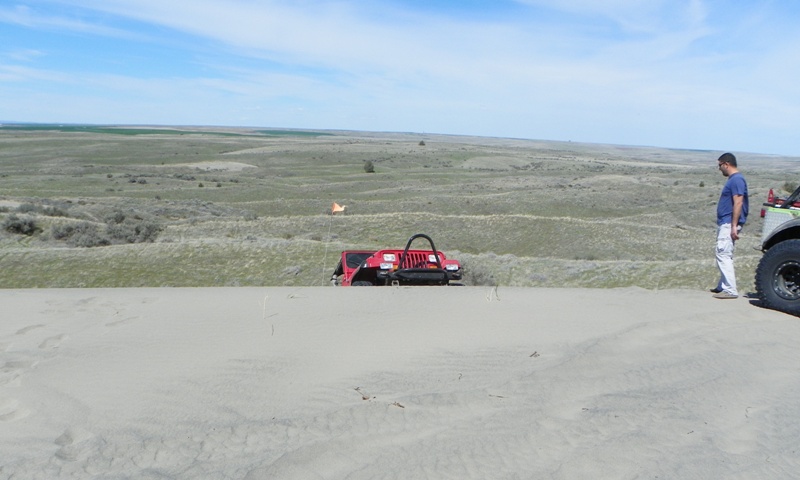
(396, 267)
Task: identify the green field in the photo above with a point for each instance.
(252, 207)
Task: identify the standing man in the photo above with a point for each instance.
(732, 212)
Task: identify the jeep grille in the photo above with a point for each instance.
(415, 260)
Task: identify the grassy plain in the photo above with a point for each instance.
(252, 206)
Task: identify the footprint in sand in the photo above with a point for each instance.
(8, 375)
(18, 365)
(52, 342)
(122, 321)
(11, 410)
(13, 369)
(23, 331)
(75, 443)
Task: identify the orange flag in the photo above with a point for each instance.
(337, 208)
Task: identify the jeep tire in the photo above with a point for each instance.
(778, 277)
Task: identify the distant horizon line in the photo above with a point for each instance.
(11, 123)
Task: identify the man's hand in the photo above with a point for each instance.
(738, 200)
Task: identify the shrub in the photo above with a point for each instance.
(115, 217)
(61, 232)
(369, 167)
(20, 225)
(49, 210)
(133, 232)
(53, 211)
(477, 274)
(83, 234)
(118, 230)
(27, 208)
(89, 237)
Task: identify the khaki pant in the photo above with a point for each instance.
(724, 256)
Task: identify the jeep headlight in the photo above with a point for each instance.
(432, 258)
(389, 257)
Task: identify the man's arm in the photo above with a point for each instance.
(737, 212)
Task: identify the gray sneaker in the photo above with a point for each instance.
(724, 295)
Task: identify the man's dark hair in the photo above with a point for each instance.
(728, 158)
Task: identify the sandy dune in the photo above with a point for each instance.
(395, 383)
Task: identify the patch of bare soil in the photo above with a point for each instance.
(217, 166)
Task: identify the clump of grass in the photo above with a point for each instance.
(293, 270)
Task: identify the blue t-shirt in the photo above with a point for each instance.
(734, 186)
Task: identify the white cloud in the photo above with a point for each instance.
(621, 71)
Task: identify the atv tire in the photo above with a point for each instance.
(778, 277)
(361, 283)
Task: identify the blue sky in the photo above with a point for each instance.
(697, 74)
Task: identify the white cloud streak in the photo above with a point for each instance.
(25, 16)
